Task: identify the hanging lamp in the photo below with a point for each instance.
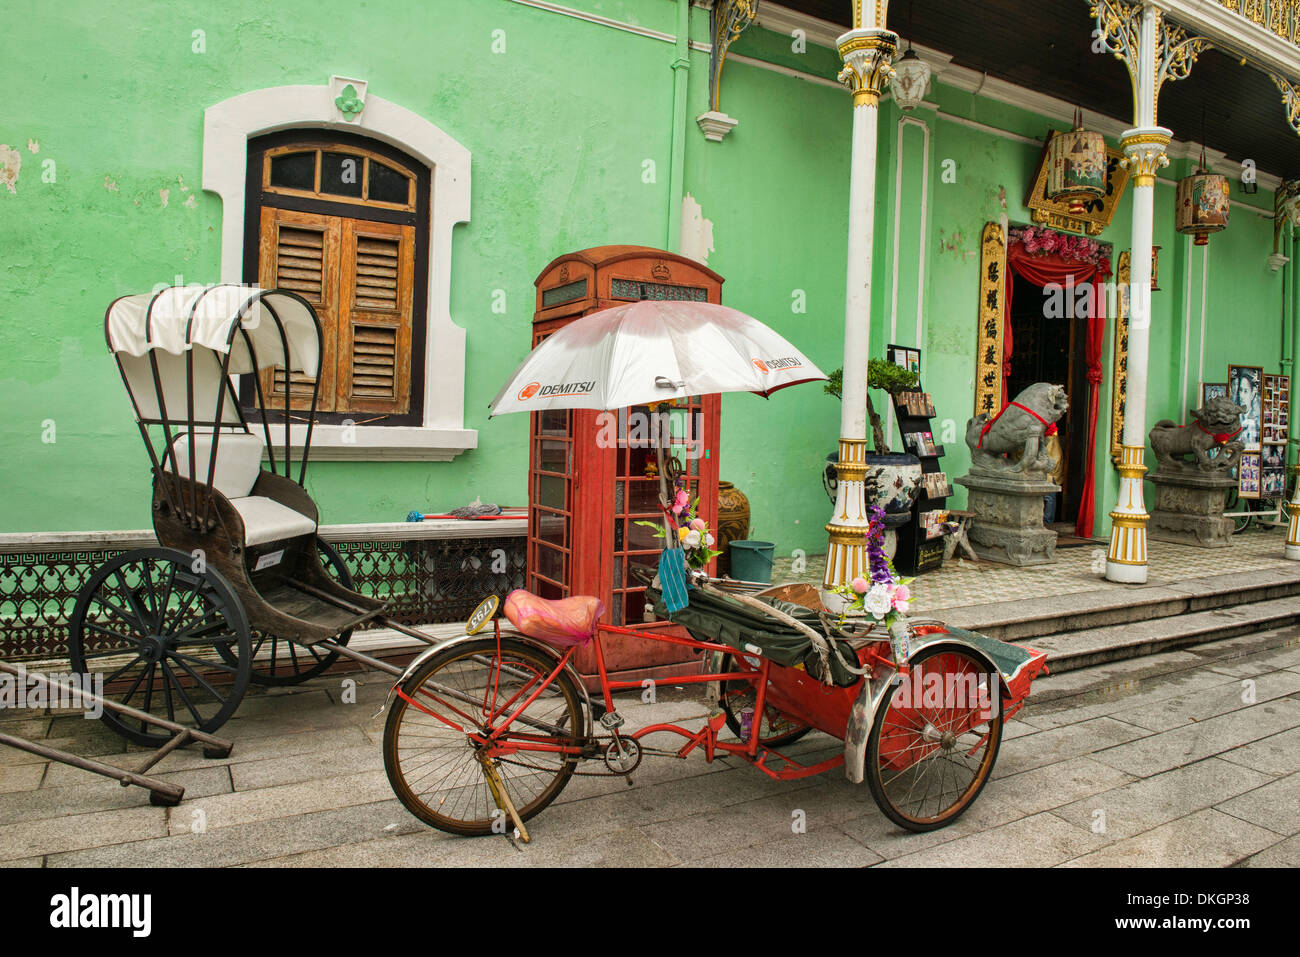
(911, 75)
(1202, 203)
(1076, 167)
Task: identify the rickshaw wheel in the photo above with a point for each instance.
(290, 663)
(434, 768)
(166, 636)
(777, 729)
(917, 747)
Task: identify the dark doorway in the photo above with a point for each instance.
(1047, 341)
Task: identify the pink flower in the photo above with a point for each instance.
(681, 502)
(902, 593)
(860, 585)
(698, 524)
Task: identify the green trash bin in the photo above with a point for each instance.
(751, 561)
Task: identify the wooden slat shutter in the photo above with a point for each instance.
(300, 252)
(375, 303)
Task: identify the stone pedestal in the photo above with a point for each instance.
(1008, 523)
(1189, 508)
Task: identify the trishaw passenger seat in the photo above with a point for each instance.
(564, 621)
(239, 461)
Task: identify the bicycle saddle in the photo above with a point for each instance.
(564, 621)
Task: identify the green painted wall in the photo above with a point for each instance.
(560, 127)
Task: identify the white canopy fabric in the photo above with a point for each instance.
(182, 317)
(652, 351)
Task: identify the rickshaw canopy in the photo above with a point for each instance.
(253, 325)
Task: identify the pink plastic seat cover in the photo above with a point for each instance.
(564, 621)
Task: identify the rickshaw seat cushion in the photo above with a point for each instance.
(239, 459)
(564, 621)
(266, 520)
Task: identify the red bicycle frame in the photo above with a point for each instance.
(502, 740)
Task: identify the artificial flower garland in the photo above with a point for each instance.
(692, 531)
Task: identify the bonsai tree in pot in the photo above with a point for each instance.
(893, 477)
(880, 375)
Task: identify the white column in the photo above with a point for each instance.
(1144, 149)
(867, 51)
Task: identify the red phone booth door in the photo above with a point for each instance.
(588, 480)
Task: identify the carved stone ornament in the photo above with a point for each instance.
(1207, 445)
(1011, 443)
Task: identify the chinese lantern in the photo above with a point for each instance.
(1202, 205)
(1076, 167)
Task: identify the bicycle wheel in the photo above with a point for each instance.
(436, 768)
(776, 728)
(928, 757)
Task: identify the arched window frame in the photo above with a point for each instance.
(227, 128)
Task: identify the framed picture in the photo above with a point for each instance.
(1245, 387)
(1210, 390)
(897, 355)
(1272, 471)
(914, 361)
(1248, 476)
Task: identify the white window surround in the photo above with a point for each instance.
(227, 127)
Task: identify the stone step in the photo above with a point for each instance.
(1069, 650)
(1115, 605)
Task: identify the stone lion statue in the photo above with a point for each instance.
(1207, 445)
(1019, 428)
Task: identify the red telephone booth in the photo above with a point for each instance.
(584, 499)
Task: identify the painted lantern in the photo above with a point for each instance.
(1076, 168)
(1202, 205)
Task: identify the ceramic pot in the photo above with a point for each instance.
(733, 522)
(897, 479)
(893, 482)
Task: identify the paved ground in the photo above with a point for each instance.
(1186, 758)
(1077, 569)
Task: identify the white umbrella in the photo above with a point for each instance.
(653, 351)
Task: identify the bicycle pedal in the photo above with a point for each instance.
(611, 720)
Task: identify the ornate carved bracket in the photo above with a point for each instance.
(1119, 31)
(727, 21)
(1290, 99)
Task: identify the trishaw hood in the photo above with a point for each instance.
(242, 320)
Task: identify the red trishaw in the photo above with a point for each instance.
(486, 730)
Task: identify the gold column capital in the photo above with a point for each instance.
(868, 57)
(1145, 152)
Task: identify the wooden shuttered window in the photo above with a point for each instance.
(375, 331)
(359, 277)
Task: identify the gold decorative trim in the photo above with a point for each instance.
(1144, 153)
(1132, 464)
(990, 314)
(1119, 28)
(845, 534)
(1119, 365)
(1279, 17)
(867, 65)
(1128, 520)
(729, 18)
